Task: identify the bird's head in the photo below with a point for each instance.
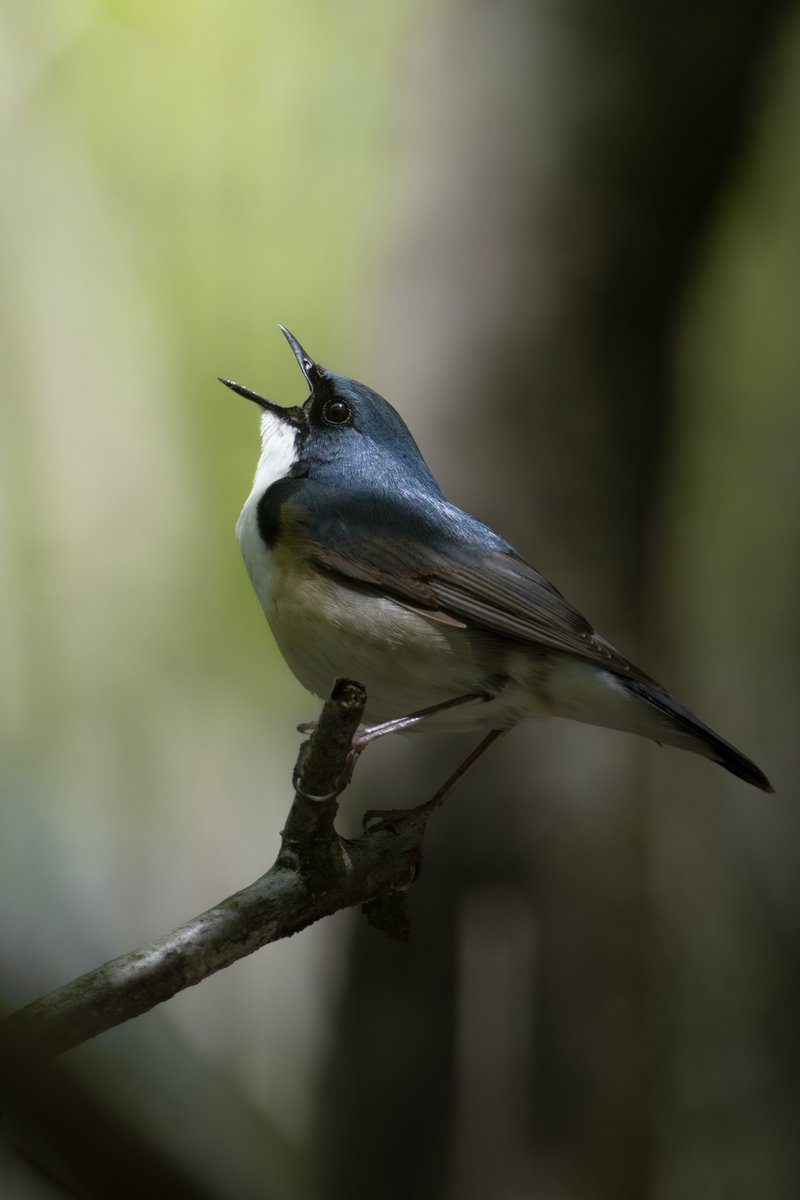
(344, 432)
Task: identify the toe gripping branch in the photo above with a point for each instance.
(311, 846)
(324, 768)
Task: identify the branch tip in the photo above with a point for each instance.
(348, 693)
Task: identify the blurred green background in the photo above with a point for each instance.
(564, 241)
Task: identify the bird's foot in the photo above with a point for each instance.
(375, 819)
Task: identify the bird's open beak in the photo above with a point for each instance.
(314, 375)
(261, 401)
(307, 364)
(294, 416)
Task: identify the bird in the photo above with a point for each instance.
(365, 570)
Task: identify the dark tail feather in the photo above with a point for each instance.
(706, 741)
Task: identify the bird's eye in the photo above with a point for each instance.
(336, 412)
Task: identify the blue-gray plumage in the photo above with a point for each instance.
(365, 570)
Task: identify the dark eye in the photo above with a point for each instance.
(336, 412)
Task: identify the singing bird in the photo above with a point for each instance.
(365, 570)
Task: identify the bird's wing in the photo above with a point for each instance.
(462, 573)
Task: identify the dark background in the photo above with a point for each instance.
(563, 240)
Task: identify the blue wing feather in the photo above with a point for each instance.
(424, 551)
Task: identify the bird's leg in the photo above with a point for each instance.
(375, 819)
(371, 733)
(368, 733)
(461, 770)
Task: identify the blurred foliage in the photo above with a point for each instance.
(175, 179)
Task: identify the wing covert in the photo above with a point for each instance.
(455, 569)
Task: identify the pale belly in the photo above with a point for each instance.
(405, 661)
(325, 629)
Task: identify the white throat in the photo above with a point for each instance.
(278, 456)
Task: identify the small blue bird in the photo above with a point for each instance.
(365, 570)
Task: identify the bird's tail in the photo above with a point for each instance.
(685, 730)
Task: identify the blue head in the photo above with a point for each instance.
(344, 436)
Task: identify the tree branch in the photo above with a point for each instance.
(315, 874)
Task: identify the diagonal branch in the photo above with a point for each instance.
(315, 874)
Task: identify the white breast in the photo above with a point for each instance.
(278, 456)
